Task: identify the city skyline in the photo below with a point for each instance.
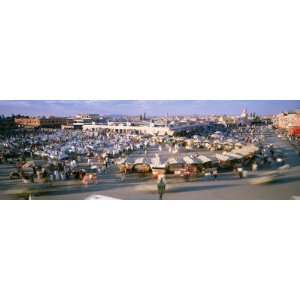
(150, 107)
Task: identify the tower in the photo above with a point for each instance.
(244, 114)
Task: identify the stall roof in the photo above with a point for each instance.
(174, 161)
(222, 157)
(215, 136)
(140, 160)
(238, 144)
(204, 159)
(234, 155)
(246, 150)
(189, 160)
(156, 162)
(121, 161)
(229, 141)
(216, 142)
(34, 163)
(131, 160)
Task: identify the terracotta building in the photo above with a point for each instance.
(289, 122)
(51, 122)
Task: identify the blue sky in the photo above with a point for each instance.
(135, 107)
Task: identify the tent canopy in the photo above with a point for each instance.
(157, 163)
(222, 157)
(141, 160)
(121, 161)
(174, 161)
(233, 155)
(246, 150)
(204, 159)
(190, 161)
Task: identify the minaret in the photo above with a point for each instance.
(244, 114)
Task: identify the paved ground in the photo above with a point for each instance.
(227, 186)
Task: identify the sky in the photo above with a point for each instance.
(151, 108)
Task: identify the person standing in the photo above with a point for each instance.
(56, 175)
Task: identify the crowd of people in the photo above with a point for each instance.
(52, 155)
(56, 155)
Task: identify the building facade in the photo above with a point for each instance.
(289, 122)
(51, 122)
(148, 129)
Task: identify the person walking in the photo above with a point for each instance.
(240, 172)
(254, 166)
(272, 152)
(85, 179)
(56, 175)
(123, 176)
(214, 173)
(161, 187)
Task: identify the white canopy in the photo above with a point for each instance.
(234, 155)
(189, 160)
(173, 161)
(131, 160)
(215, 136)
(121, 161)
(157, 163)
(222, 157)
(204, 159)
(238, 144)
(140, 160)
(229, 141)
(216, 142)
(246, 150)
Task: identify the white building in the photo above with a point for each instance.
(151, 128)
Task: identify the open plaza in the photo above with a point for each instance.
(162, 158)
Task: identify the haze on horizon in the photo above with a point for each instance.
(150, 107)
